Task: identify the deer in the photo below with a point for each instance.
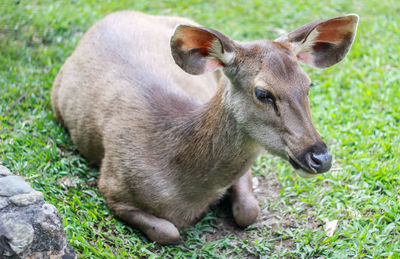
(174, 113)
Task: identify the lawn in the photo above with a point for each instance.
(355, 107)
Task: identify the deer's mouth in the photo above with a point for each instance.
(304, 171)
(294, 163)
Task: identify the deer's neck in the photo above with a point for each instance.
(212, 143)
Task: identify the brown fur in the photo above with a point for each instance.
(169, 143)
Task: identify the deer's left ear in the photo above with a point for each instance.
(323, 43)
(198, 50)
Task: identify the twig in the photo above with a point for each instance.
(16, 102)
(13, 105)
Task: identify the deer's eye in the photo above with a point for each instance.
(264, 96)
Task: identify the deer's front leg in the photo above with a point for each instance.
(244, 205)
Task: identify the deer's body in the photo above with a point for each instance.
(156, 123)
(116, 62)
(168, 143)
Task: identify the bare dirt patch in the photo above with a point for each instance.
(270, 223)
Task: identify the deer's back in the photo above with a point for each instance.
(122, 70)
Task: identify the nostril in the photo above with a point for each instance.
(320, 162)
(325, 161)
(322, 159)
(315, 159)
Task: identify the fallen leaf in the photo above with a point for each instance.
(67, 182)
(330, 226)
(255, 182)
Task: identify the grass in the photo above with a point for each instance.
(355, 106)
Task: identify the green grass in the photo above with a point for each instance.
(355, 106)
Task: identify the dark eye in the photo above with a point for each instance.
(264, 96)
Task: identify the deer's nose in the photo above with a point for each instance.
(320, 162)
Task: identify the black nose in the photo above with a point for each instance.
(319, 162)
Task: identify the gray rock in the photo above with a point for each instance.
(49, 220)
(48, 209)
(27, 198)
(12, 185)
(18, 232)
(4, 171)
(29, 227)
(3, 202)
(33, 231)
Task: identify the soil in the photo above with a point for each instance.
(267, 190)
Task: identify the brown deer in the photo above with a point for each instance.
(170, 142)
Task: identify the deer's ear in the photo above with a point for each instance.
(323, 43)
(199, 50)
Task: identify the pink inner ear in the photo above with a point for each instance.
(335, 31)
(193, 38)
(212, 64)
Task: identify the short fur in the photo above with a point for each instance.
(169, 143)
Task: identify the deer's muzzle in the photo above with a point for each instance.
(320, 162)
(314, 159)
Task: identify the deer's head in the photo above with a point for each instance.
(268, 90)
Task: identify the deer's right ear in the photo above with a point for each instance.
(323, 43)
(199, 50)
